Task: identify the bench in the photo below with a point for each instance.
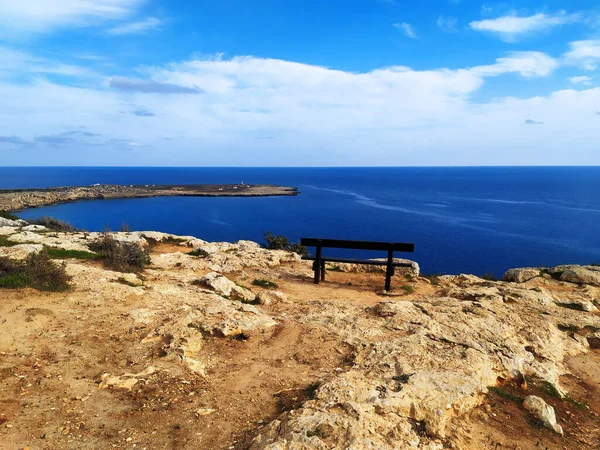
(389, 247)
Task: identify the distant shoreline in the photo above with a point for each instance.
(20, 199)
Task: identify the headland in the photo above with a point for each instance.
(19, 199)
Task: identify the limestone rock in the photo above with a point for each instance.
(545, 413)
(413, 268)
(225, 287)
(580, 274)
(126, 381)
(12, 223)
(21, 251)
(267, 297)
(521, 275)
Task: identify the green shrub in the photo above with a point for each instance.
(8, 215)
(199, 253)
(489, 277)
(282, 243)
(506, 395)
(4, 242)
(54, 224)
(14, 281)
(59, 253)
(265, 284)
(37, 271)
(408, 289)
(120, 256)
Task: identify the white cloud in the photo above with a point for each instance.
(15, 63)
(527, 64)
(585, 54)
(407, 29)
(255, 111)
(40, 16)
(581, 80)
(511, 27)
(447, 24)
(150, 24)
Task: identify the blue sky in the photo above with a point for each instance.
(299, 83)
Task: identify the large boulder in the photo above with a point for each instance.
(225, 287)
(12, 223)
(21, 251)
(521, 275)
(580, 274)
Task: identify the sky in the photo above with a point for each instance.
(299, 82)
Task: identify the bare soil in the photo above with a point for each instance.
(54, 349)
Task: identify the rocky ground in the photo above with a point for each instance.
(19, 199)
(191, 354)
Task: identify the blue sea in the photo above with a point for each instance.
(462, 220)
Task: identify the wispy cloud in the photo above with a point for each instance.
(141, 112)
(585, 54)
(407, 29)
(11, 140)
(41, 16)
(581, 80)
(150, 86)
(447, 24)
(528, 64)
(512, 27)
(144, 26)
(533, 122)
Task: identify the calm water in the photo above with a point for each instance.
(475, 220)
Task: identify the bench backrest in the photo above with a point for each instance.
(357, 245)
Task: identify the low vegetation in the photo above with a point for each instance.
(59, 253)
(53, 224)
(120, 256)
(199, 253)
(5, 242)
(506, 394)
(265, 284)
(489, 277)
(408, 289)
(8, 215)
(37, 271)
(282, 243)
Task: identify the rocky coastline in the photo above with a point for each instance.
(231, 346)
(19, 199)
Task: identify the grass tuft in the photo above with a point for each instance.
(54, 224)
(282, 243)
(8, 215)
(37, 271)
(59, 253)
(506, 395)
(408, 289)
(265, 284)
(4, 242)
(199, 253)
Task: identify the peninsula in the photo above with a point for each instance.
(19, 199)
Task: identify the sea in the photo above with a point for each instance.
(478, 220)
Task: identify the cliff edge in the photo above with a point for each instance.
(231, 346)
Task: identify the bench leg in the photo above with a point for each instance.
(389, 271)
(318, 262)
(322, 270)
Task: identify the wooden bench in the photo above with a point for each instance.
(389, 247)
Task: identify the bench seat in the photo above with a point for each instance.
(389, 247)
(371, 262)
